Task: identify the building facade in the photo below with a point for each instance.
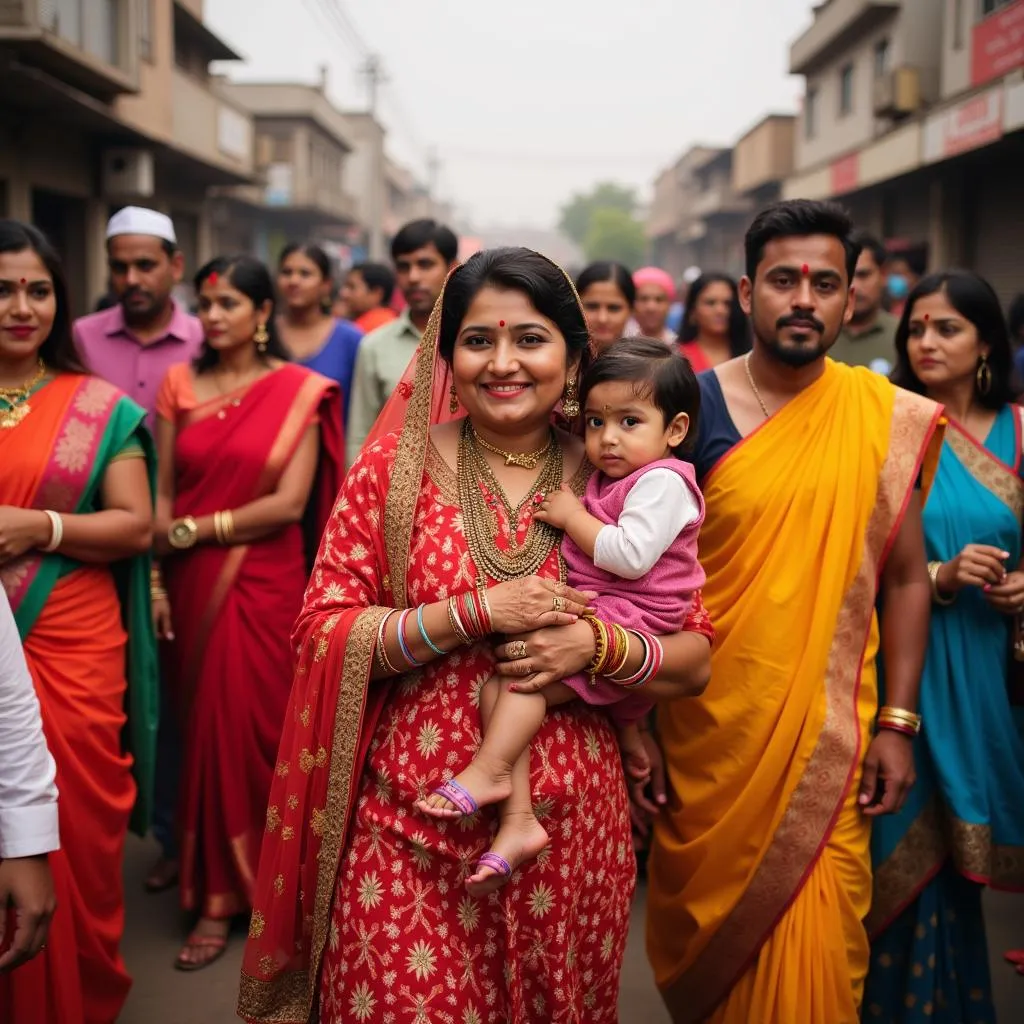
(110, 102)
(913, 116)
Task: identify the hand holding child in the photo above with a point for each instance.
(559, 507)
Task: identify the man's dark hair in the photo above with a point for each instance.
(799, 218)
(377, 276)
(418, 234)
(657, 373)
(868, 243)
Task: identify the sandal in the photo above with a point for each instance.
(194, 941)
(497, 864)
(456, 794)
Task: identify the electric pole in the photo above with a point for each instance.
(373, 72)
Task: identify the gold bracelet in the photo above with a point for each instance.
(157, 594)
(183, 533)
(600, 646)
(228, 524)
(899, 716)
(933, 575)
(217, 529)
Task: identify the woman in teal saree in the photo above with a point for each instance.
(75, 530)
(963, 826)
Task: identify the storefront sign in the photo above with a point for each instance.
(279, 187)
(997, 44)
(1013, 119)
(975, 122)
(845, 174)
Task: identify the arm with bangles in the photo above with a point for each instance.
(243, 525)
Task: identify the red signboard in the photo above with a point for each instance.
(997, 44)
(845, 174)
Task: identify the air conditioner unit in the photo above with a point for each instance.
(897, 93)
(127, 172)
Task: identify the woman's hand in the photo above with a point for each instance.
(551, 655)
(978, 565)
(162, 619)
(648, 797)
(1008, 596)
(21, 530)
(533, 603)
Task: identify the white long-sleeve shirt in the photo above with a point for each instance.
(657, 509)
(28, 789)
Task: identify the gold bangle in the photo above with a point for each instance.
(937, 595)
(900, 716)
(156, 594)
(228, 523)
(217, 528)
(183, 533)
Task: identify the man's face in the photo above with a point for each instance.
(421, 275)
(142, 275)
(869, 284)
(357, 297)
(800, 297)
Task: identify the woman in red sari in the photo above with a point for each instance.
(242, 436)
(362, 911)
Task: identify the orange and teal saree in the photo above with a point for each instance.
(82, 626)
(760, 869)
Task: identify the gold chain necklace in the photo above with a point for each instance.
(524, 460)
(753, 387)
(480, 519)
(17, 398)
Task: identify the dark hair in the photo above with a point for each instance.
(914, 255)
(608, 271)
(58, 350)
(739, 325)
(377, 275)
(799, 218)
(313, 253)
(251, 277)
(868, 243)
(976, 301)
(418, 234)
(656, 372)
(519, 270)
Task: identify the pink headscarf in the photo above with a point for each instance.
(655, 275)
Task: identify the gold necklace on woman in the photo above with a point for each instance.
(479, 514)
(753, 387)
(524, 460)
(16, 399)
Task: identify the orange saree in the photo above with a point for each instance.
(70, 617)
(760, 869)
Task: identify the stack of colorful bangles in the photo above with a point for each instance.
(611, 652)
(468, 613)
(898, 720)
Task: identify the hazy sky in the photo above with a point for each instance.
(527, 101)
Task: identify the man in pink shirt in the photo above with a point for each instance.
(133, 344)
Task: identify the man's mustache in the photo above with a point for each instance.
(800, 322)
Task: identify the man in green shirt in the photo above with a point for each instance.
(423, 252)
(869, 338)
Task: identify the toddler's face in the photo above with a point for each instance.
(626, 433)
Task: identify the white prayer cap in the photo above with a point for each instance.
(690, 274)
(137, 220)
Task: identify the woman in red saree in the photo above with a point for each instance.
(242, 437)
(76, 501)
(361, 910)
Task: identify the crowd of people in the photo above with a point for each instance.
(411, 611)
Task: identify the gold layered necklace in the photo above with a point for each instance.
(524, 460)
(480, 518)
(15, 405)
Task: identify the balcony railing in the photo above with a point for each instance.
(87, 43)
(836, 23)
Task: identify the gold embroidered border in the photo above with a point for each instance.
(902, 874)
(810, 814)
(1000, 480)
(975, 855)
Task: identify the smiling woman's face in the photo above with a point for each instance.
(510, 363)
(28, 304)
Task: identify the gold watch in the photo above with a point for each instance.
(183, 533)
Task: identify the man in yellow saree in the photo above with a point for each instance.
(760, 873)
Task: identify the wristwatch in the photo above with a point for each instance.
(183, 533)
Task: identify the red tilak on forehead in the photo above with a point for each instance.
(806, 269)
(501, 323)
(926, 318)
(24, 281)
(213, 279)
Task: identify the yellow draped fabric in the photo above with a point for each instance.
(760, 871)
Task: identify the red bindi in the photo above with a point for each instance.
(806, 269)
(926, 318)
(213, 278)
(24, 281)
(501, 323)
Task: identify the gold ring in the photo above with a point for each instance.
(558, 603)
(517, 650)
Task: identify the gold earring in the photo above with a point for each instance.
(261, 337)
(570, 401)
(983, 377)
(453, 400)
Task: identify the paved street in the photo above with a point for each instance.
(164, 996)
